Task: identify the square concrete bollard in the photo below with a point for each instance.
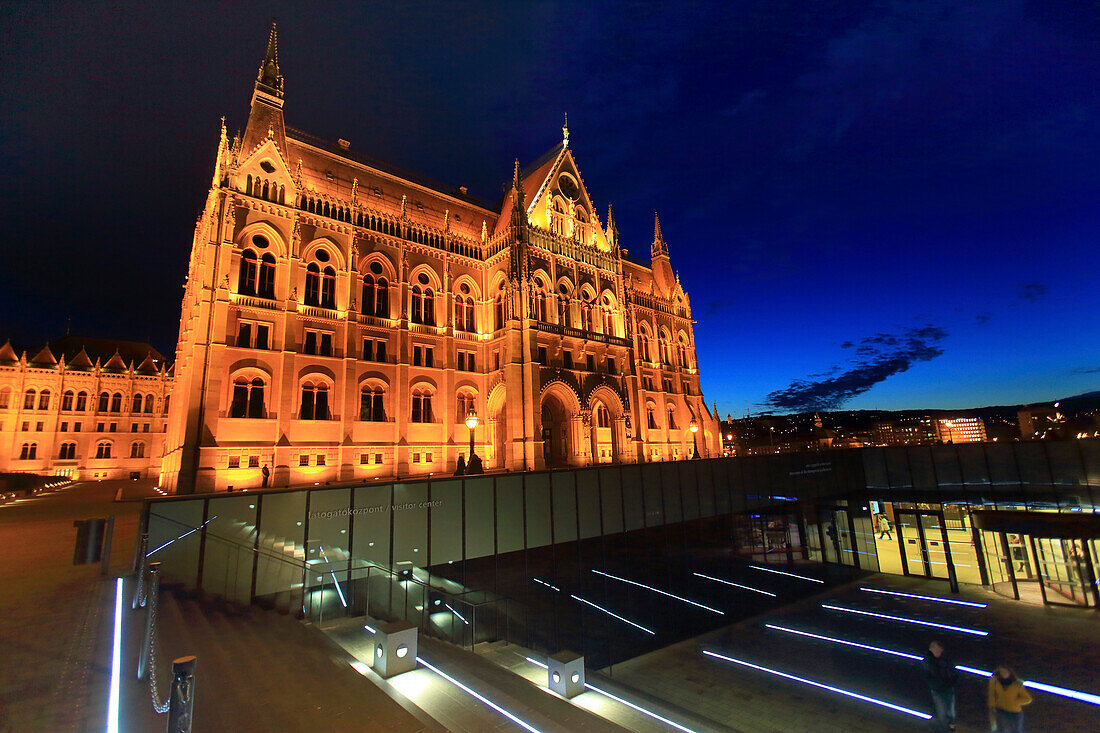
(566, 673)
(394, 648)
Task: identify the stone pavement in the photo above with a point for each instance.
(1054, 645)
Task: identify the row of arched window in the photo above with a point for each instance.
(664, 349)
(67, 451)
(324, 208)
(78, 401)
(256, 276)
(651, 417)
(264, 189)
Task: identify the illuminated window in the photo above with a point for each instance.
(44, 400)
(498, 312)
(463, 404)
(137, 403)
(303, 460)
(671, 418)
(253, 461)
(328, 288)
(320, 459)
(137, 450)
(116, 402)
(28, 452)
(5, 398)
(148, 404)
(28, 399)
(423, 303)
(246, 276)
(651, 417)
(603, 416)
(248, 398)
(234, 461)
(67, 401)
(103, 450)
(104, 401)
(422, 405)
(314, 402)
(313, 284)
(265, 288)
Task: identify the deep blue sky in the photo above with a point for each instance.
(875, 204)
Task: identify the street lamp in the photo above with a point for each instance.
(471, 423)
(694, 427)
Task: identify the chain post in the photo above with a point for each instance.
(182, 702)
(140, 549)
(150, 620)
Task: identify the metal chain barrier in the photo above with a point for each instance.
(147, 660)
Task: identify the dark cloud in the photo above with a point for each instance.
(878, 358)
(1031, 292)
(1086, 370)
(983, 318)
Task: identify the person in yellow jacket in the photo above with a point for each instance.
(1006, 700)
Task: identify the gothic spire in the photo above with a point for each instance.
(565, 132)
(659, 248)
(517, 189)
(612, 230)
(269, 76)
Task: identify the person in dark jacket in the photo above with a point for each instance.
(942, 677)
(266, 473)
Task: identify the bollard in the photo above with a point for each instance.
(182, 704)
(147, 639)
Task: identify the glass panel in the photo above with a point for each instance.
(1036, 477)
(722, 469)
(327, 552)
(1068, 472)
(886, 541)
(975, 474)
(922, 469)
(946, 462)
(911, 544)
(230, 535)
(897, 469)
(509, 513)
(654, 503)
(670, 484)
(611, 500)
(1002, 469)
(704, 471)
(172, 542)
(537, 488)
(565, 506)
(874, 467)
(282, 534)
(446, 513)
(863, 542)
(633, 500)
(480, 539)
(371, 527)
(689, 488)
(588, 503)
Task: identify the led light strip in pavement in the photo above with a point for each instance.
(624, 620)
(924, 598)
(522, 723)
(1052, 689)
(781, 572)
(629, 704)
(339, 592)
(663, 593)
(849, 693)
(961, 629)
(543, 582)
(735, 585)
(116, 662)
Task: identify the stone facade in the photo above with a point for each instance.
(84, 408)
(340, 320)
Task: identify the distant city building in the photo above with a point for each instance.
(929, 430)
(84, 408)
(1038, 422)
(961, 430)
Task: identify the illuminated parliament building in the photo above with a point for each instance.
(342, 321)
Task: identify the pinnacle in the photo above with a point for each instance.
(657, 237)
(269, 75)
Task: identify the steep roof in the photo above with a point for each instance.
(531, 178)
(103, 349)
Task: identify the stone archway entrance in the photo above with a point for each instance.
(608, 426)
(559, 415)
(496, 429)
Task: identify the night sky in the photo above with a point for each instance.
(871, 204)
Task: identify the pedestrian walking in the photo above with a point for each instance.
(266, 473)
(941, 675)
(1006, 700)
(884, 527)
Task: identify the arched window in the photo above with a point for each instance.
(28, 399)
(557, 218)
(265, 288)
(463, 405)
(416, 314)
(580, 229)
(29, 452)
(651, 417)
(368, 294)
(166, 398)
(314, 402)
(103, 450)
(666, 356)
(81, 401)
(67, 400)
(5, 398)
(371, 408)
(67, 452)
(382, 299)
(44, 400)
(246, 277)
(104, 401)
(681, 349)
(137, 450)
(422, 405)
(429, 307)
(603, 416)
(608, 320)
(498, 312)
(149, 403)
(464, 309)
(563, 312)
(248, 398)
(671, 418)
(137, 403)
(116, 402)
(328, 288)
(586, 314)
(313, 284)
(643, 338)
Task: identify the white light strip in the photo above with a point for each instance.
(663, 593)
(525, 725)
(883, 703)
(334, 580)
(924, 598)
(1052, 689)
(116, 662)
(371, 629)
(624, 620)
(735, 585)
(844, 641)
(780, 572)
(962, 629)
(190, 531)
(456, 613)
(543, 582)
(629, 704)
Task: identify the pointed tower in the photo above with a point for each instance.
(612, 232)
(266, 117)
(662, 267)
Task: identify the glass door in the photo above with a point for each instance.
(1064, 571)
(922, 537)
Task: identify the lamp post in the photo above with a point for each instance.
(694, 427)
(729, 441)
(471, 423)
